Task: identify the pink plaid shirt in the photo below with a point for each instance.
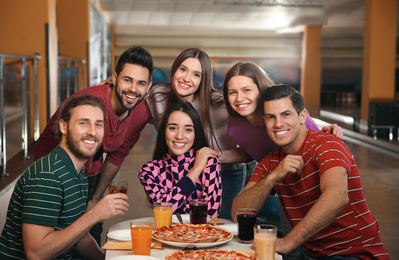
(165, 180)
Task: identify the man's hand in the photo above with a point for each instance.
(292, 164)
(43, 242)
(110, 206)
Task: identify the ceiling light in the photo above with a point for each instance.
(286, 3)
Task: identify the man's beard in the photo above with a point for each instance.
(73, 146)
(120, 98)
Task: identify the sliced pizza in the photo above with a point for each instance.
(188, 233)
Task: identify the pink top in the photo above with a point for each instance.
(166, 181)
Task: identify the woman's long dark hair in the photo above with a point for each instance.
(199, 141)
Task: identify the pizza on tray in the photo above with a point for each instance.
(188, 233)
(219, 254)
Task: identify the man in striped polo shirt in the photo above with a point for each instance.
(317, 179)
(46, 217)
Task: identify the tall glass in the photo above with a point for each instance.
(265, 241)
(198, 211)
(141, 232)
(246, 219)
(162, 214)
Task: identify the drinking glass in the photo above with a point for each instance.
(198, 211)
(246, 219)
(141, 232)
(117, 187)
(162, 214)
(265, 241)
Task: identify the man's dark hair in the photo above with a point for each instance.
(72, 102)
(199, 141)
(281, 91)
(135, 55)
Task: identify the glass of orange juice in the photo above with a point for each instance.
(265, 236)
(141, 231)
(162, 214)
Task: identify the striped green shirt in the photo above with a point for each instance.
(49, 193)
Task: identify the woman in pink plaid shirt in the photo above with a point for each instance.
(183, 166)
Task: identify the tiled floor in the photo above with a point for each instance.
(379, 172)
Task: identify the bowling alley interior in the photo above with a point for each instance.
(342, 55)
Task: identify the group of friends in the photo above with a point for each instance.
(205, 138)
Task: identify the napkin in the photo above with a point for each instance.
(215, 221)
(128, 246)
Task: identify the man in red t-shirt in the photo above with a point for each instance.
(317, 179)
(125, 117)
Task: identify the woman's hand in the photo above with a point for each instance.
(200, 162)
(202, 156)
(335, 130)
(106, 81)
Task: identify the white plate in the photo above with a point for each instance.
(198, 245)
(232, 228)
(121, 235)
(134, 257)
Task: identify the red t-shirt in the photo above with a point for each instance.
(355, 232)
(119, 135)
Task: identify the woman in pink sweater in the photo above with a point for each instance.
(183, 166)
